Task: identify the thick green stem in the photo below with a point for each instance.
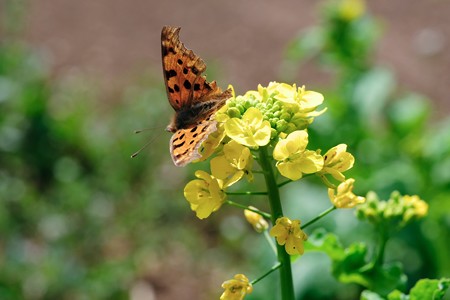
(287, 287)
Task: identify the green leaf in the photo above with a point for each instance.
(397, 295)
(350, 265)
(386, 278)
(308, 44)
(433, 289)
(371, 93)
(322, 241)
(369, 295)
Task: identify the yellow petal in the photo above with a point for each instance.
(290, 170)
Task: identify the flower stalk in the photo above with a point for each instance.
(287, 287)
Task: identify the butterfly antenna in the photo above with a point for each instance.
(145, 146)
(147, 129)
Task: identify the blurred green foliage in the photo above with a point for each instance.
(397, 143)
(80, 220)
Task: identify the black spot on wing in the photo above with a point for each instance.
(196, 87)
(187, 84)
(185, 70)
(171, 73)
(170, 90)
(179, 144)
(176, 88)
(179, 61)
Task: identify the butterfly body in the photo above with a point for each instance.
(193, 98)
(190, 116)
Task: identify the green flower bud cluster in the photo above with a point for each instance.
(283, 117)
(398, 210)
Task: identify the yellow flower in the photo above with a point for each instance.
(204, 194)
(251, 130)
(289, 233)
(352, 9)
(343, 197)
(283, 91)
(336, 161)
(293, 158)
(309, 100)
(212, 143)
(256, 220)
(236, 288)
(235, 162)
(414, 207)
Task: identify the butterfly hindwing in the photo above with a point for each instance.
(185, 143)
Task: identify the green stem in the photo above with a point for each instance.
(270, 241)
(267, 273)
(284, 183)
(259, 212)
(245, 193)
(383, 236)
(323, 214)
(289, 181)
(287, 287)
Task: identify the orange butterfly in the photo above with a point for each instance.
(193, 98)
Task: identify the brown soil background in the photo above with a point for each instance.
(113, 40)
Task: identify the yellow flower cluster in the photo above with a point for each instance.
(278, 116)
(399, 210)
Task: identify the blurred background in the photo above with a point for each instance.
(79, 219)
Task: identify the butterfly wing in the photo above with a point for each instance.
(181, 68)
(192, 97)
(182, 72)
(185, 143)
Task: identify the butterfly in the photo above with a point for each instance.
(194, 99)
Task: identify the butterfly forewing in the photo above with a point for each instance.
(192, 97)
(181, 68)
